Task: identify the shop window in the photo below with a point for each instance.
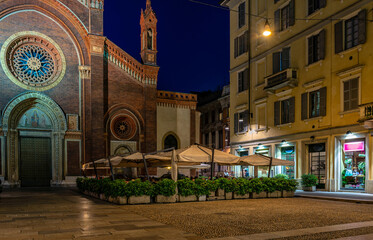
(316, 47)
(353, 165)
(243, 80)
(284, 111)
(262, 171)
(241, 122)
(317, 158)
(351, 94)
(314, 5)
(281, 60)
(287, 153)
(351, 32)
(285, 17)
(241, 45)
(241, 15)
(314, 104)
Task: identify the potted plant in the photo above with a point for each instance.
(309, 182)
(186, 190)
(138, 192)
(257, 188)
(242, 188)
(287, 186)
(202, 188)
(165, 191)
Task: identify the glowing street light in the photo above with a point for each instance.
(267, 29)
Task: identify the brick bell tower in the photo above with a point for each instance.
(148, 23)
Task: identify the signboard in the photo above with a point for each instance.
(354, 147)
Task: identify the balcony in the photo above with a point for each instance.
(285, 78)
(366, 115)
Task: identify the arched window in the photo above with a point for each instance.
(171, 141)
(150, 39)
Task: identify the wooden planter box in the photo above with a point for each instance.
(139, 200)
(220, 192)
(275, 194)
(228, 195)
(164, 199)
(202, 198)
(191, 198)
(309, 189)
(237, 196)
(260, 195)
(122, 200)
(287, 194)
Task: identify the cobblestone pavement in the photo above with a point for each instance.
(295, 218)
(65, 214)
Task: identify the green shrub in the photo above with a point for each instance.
(138, 188)
(270, 184)
(282, 176)
(186, 187)
(227, 184)
(242, 186)
(165, 187)
(309, 180)
(202, 187)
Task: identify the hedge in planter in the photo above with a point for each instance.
(242, 188)
(165, 191)
(309, 182)
(228, 186)
(258, 188)
(186, 190)
(288, 187)
(138, 191)
(202, 188)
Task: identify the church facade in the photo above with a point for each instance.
(68, 94)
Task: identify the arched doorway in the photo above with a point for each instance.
(171, 141)
(34, 126)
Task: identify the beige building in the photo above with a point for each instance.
(303, 93)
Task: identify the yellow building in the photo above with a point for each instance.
(304, 93)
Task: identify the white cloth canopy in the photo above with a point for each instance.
(261, 160)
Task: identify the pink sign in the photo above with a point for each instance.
(353, 147)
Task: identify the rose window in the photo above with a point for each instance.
(123, 127)
(32, 62)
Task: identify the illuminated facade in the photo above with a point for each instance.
(303, 93)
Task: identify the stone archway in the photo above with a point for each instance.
(11, 116)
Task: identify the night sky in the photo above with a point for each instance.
(193, 41)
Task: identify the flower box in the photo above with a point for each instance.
(191, 198)
(275, 194)
(228, 195)
(260, 195)
(202, 198)
(139, 200)
(122, 200)
(164, 199)
(288, 194)
(238, 196)
(309, 189)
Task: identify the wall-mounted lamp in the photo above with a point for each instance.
(267, 29)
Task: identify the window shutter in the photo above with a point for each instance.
(277, 113)
(321, 43)
(277, 21)
(323, 101)
(246, 121)
(236, 123)
(245, 79)
(276, 62)
(285, 58)
(292, 110)
(322, 3)
(362, 26)
(304, 106)
(235, 47)
(292, 13)
(338, 32)
(245, 42)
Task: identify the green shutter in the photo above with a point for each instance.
(321, 45)
(323, 101)
(236, 123)
(338, 37)
(285, 58)
(304, 109)
(292, 110)
(292, 13)
(277, 113)
(276, 62)
(277, 21)
(362, 26)
(246, 121)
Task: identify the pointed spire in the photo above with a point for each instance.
(148, 4)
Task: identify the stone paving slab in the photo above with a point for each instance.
(361, 237)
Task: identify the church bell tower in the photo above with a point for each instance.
(148, 23)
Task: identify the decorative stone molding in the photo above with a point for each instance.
(176, 100)
(98, 4)
(85, 72)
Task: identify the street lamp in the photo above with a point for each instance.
(267, 29)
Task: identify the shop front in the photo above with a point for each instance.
(286, 151)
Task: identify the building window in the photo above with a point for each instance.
(240, 45)
(207, 139)
(212, 116)
(243, 80)
(314, 104)
(351, 32)
(285, 111)
(281, 60)
(171, 142)
(316, 47)
(351, 94)
(241, 15)
(314, 5)
(241, 122)
(285, 17)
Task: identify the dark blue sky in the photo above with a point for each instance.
(193, 40)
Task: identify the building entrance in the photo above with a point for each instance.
(317, 156)
(35, 162)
